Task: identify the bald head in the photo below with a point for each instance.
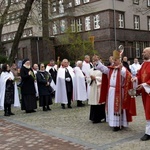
(146, 53)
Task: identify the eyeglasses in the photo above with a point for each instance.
(42, 66)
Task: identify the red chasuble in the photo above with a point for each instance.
(144, 77)
(127, 102)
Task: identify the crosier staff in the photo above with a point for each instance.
(121, 50)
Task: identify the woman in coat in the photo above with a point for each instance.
(44, 88)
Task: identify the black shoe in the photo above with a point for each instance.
(116, 129)
(63, 107)
(33, 110)
(96, 122)
(69, 107)
(6, 114)
(145, 137)
(44, 109)
(11, 113)
(48, 108)
(28, 111)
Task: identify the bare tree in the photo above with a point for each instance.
(3, 16)
(21, 26)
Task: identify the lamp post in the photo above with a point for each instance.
(114, 18)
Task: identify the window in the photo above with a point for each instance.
(148, 21)
(96, 22)
(86, 1)
(62, 26)
(121, 20)
(136, 22)
(77, 2)
(79, 25)
(69, 4)
(148, 3)
(54, 7)
(61, 6)
(87, 23)
(136, 2)
(137, 49)
(73, 26)
(54, 28)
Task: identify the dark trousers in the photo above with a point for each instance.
(7, 108)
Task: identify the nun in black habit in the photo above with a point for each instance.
(28, 92)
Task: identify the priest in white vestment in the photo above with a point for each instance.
(86, 66)
(79, 90)
(64, 84)
(119, 107)
(97, 109)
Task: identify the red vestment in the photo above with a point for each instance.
(143, 76)
(127, 102)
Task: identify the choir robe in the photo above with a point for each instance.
(118, 111)
(97, 110)
(79, 90)
(86, 68)
(61, 93)
(3, 78)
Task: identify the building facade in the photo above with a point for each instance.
(110, 22)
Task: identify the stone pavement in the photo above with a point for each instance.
(68, 129)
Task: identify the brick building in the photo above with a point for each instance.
(110, 23)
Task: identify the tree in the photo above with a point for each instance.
(21, 26)
(3, 16)
(75, 47)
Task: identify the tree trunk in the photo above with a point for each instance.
(48, 49)
(20, 30)
(2, 22)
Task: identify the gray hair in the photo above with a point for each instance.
(78, 62)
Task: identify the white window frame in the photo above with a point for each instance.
(73, 25)
(79, 25)
(77, 2)
(61, 7)
(135, 1)
(87, 23)
(148, 3)
(121, 20)
(54, 7)
(54, 28)
(96, 21)
(137, 49)
(148, 23)
(62, 26)
(136, 22)
(86, 1)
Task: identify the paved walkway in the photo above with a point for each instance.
(68, 129)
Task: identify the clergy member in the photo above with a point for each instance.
(119, 107)
(64, 84)
(79, 91)
(86, 66)
(143, 78)
(97, 110)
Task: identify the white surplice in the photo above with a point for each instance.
(79, 90)
(95, 87)
(86, 68)
(61, 93)
(113, 120)
(3, 78)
